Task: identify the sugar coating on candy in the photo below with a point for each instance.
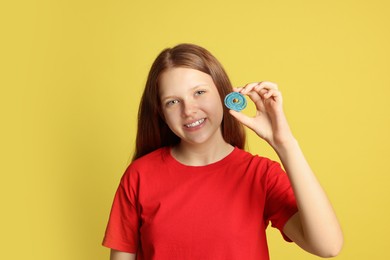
(235, 101)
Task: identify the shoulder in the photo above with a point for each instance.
(254, 160)
(156, 157)
(149, 163)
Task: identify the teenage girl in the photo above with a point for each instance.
(192, 192)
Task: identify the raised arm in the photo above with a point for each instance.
(118, 255)
(314, 227)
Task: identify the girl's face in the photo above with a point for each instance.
(191, 105)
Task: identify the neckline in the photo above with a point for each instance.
(208, 167)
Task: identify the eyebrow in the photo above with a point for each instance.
(191, 89)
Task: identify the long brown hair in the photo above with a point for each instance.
(153, 132)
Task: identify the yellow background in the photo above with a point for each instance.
(71, 77)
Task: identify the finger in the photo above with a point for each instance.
(263, 91)
(264, 94)
(248, 87)
(267, 85)
(258, 86)
(271, 93)
(255, 97)
(274, 95)
(257, 100)
(244, 119)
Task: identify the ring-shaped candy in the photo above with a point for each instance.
(235, 101)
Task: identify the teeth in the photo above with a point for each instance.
(195, 123)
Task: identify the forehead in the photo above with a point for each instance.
(182, 74)
(182, 78)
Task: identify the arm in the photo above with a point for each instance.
(314, 227)
(118, 255)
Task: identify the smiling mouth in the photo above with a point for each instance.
(196, 123)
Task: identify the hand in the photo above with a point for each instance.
(315, 227)
(269, 122)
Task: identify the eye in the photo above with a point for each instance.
(200, 92)
(171, 102)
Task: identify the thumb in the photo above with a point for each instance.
(243, 119)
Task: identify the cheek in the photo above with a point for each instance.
(215, 106)
(169, 117)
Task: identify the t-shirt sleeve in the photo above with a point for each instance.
(122, 232)
(280, 202)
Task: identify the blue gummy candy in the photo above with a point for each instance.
(235, 101)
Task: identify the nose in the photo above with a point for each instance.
(190, 108)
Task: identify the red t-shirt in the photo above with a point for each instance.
(166, 210)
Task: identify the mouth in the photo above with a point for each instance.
(195, 124)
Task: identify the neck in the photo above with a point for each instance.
(201, 154)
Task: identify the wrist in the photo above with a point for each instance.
(285, 145)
